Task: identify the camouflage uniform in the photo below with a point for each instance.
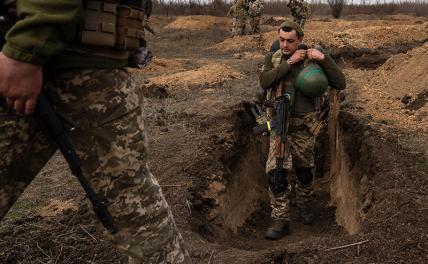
(299, 10)
(241, 13)
(300, 154)
(302, 133)
(105, 106)
(255, 10)
(232, 13)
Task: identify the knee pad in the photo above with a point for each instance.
(278, 180)
(304, 175)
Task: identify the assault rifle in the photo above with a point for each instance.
(280, 123)
(53, 127)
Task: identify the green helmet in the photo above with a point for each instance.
(311, 81)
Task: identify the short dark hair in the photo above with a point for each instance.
(289, 29)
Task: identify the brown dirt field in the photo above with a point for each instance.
(211, 166)
(208, 74)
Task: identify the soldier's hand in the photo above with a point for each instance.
(297, 56)
(20, 84)
(315, 54)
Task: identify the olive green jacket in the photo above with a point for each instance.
(270, 77)
(45, 34)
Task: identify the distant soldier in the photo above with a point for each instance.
(241, 12)
(300, 11)
(234, 19)
(255, 9)
(302, 75)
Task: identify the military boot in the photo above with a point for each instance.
(306, 215)
(278, 229)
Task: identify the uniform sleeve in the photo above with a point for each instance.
(43, 31)
(270, 76)
(336, 78)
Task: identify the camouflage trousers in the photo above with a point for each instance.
(105, 107)
(255, 24)
(241, 21)
(300, 155)
(234, 27)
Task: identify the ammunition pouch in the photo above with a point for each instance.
(109, 24)
(312, 122)
(308, 121)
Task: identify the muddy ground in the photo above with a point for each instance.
(199, 89)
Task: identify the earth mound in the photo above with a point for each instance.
(397, 91)
(208, 74)
(200, 23)
(159, 65)
(371, 37)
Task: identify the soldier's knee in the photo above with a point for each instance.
(277, 179)
(304, 175)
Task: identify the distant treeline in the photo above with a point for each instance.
(278, 7)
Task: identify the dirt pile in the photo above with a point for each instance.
(238, 43)
(208, 74)
(405, 73)
(200, 23)
(342, 24)
(272, 21)
(396, 92)
(371, 37)
(160, 65)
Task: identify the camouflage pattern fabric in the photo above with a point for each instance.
(106, 108)
(234, 26)
(280, 206)
(301, 146)
(255, 24)
(301, 143)
(255, 8)
(304, 194)
(299, 10)
(241, 13)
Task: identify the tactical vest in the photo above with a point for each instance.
(110, 28)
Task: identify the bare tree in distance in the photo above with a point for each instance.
(336, 7)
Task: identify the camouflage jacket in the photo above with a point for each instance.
(241, 8)
(45, 36)
(255, 8)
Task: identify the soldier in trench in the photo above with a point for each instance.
(282, 70)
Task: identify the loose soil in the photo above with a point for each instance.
(199, 90)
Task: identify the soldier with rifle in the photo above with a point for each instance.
(61, 65)
(295, 78)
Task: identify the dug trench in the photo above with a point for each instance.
(360, 198)
(210, 166)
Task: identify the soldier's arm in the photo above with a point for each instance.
(43, 31)
(336, 78)
(270, 76)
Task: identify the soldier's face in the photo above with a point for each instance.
(288, 41)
